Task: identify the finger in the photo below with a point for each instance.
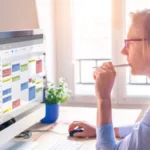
(105, 64)
(105, 67)
(94, 76)
(109, 65)
(79, 134)
(72, 127)
(75, 124)
(100, 72)
(97, 72)
(100, 69)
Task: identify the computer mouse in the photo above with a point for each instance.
(71, 133)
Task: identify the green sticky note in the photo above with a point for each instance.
(24, 67)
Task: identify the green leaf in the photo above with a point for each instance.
(57, 94)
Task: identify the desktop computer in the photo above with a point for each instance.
(22, 85)
(22, 81)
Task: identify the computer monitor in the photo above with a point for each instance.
(22, 81)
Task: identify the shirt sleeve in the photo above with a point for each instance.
(146, 118)
(106, 138)
(138, 139)
(126, 130)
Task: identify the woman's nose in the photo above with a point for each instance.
(124, 51)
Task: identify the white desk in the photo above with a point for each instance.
(69, 114)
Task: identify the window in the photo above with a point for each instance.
(92, 33)
(91, 40)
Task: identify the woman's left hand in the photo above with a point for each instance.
(104, 77)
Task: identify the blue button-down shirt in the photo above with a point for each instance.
(138, 139)
(126, 130)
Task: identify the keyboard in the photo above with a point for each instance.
(66, 145)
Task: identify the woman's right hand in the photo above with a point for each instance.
(89, 130)
(104, 77)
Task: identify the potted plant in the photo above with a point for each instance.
(54, 96)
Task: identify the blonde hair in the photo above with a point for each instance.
(141, 19)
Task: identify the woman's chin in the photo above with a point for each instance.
(137, 72)
(134, 72)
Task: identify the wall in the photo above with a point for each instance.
(63, 24)
(32, 14)
(46, 18)
(18, 14)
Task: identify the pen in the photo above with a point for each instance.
(121, 65)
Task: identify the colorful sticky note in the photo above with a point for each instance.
(38, 66)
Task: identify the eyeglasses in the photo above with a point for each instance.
(127, 41)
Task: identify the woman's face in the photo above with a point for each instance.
(137, 52)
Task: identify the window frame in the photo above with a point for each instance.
(64, 53)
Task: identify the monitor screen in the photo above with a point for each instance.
(22, 72)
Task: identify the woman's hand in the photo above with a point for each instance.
(104, 77)
(89, 130)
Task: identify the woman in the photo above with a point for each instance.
(137, 51)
